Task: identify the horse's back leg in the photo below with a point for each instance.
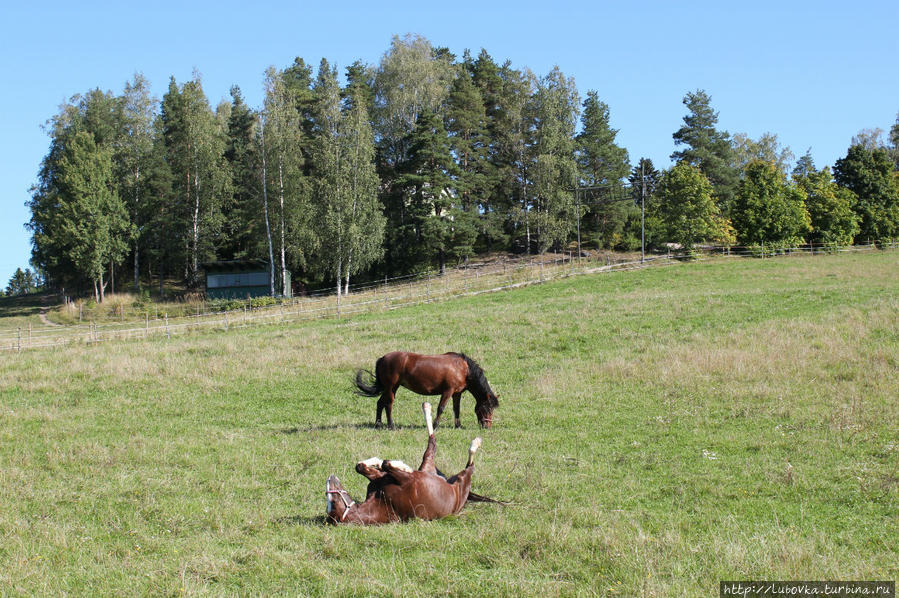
(472, 449)
(427, 460)
(457, 399)
(464, 476)
(385, 403)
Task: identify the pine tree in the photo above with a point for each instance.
(438, 222)
(707, 148)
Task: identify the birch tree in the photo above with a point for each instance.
(284, 141)
(195, 147)
(133, 156)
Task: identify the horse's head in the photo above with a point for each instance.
(483, 409)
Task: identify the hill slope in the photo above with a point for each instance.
(645, 425)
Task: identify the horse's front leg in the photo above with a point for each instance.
(443, 400)
(457, 399)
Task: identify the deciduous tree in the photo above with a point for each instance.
(768, 209)
(868, 173)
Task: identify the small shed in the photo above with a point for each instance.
(237, 279)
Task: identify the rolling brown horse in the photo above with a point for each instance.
(397, 493)
(447, 375)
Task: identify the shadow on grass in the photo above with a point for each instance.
(24, 305)
(367, 426)
(317, 520)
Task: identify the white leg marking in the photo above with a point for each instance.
(374, 462)
(426, 409)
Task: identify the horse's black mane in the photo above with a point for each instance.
(477, 383)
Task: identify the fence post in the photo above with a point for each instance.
(147, 325)
(19, 339)
(167, 335)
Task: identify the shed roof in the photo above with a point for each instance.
(254, 265)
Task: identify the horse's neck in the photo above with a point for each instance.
(373, 510)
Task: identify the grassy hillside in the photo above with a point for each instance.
(645, 426)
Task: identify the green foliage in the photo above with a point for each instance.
(553, 169)
(869, 174)
(437, 221)
(707, 148)
(767, 149)
(686, 208)
(195, 146)
(601, 162)
(95, 229)
(350, 224)
(22, 282)
(768, 209)
(830, 210)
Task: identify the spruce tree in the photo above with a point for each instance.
(601, 162)
(869, 174)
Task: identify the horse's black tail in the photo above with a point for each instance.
(372, 388)
(472, 497)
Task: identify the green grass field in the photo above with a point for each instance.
(645, 426)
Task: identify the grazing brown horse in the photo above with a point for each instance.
(447, 375)
(397, 493)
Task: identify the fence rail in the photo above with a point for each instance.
(387, 295)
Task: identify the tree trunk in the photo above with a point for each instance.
(195, 250)
(102, 292)
(281, 199)
(338, 278)
(136, 270)
(136, 250)
(268, 228)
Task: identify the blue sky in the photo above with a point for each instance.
(814, 73)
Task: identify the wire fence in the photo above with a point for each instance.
(383, 296)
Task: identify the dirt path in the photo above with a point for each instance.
(43, 315)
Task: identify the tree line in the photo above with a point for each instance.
(420, 161)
